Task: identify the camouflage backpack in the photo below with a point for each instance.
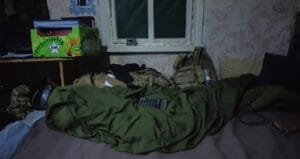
(189, 68)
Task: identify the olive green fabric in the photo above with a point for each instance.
(114, 116)
(269, 97)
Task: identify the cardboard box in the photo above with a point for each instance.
(65, 42)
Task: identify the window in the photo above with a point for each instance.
(131, 18)
(151, 25)
(81, 2)
(82, 7)
(170, 18)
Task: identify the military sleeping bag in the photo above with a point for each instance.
(146, 119)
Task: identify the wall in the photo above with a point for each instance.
(58, 8)
(234, 30)
(243, 30)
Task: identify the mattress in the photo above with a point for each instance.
(236, 140)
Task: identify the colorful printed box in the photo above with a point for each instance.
(66, 42)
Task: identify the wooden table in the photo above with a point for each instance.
(59, 61)
(34, 72)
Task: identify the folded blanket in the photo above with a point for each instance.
(13, 134)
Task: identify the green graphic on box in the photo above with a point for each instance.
(56, 46)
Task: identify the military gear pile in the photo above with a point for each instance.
(20, 104)
(130, 75)
(188, 73)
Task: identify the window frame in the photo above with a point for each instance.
(193, 33)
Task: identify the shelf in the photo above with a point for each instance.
(30, 60)
(60, 62)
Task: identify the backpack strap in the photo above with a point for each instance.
(197, 55)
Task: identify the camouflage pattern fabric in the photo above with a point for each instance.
(150, 77)
(83, 80)
(20, 104)
(99, 80)
(106, 80)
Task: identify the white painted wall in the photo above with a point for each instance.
(233, 29)
(246, 29)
